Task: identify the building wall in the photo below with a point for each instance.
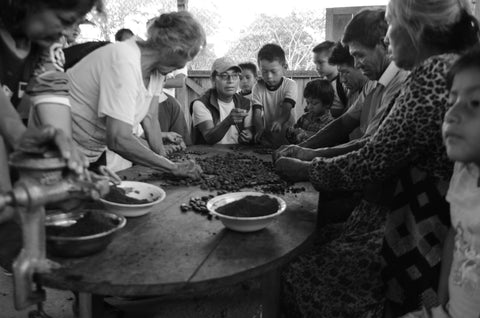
(337, 19)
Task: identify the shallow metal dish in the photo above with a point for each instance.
(77, 246)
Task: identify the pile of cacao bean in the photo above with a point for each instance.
(232, 172)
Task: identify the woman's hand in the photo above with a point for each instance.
(291, 169)
(187, 169)
(294, 151)
(47, 138)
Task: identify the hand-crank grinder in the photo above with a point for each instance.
(43, 179)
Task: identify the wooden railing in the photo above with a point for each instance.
(198, 82)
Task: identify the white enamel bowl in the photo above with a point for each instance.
(140, 191)
(243, 224)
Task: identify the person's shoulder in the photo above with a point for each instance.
(260, 84)
(437, 64)
(288, 81)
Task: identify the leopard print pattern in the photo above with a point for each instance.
(410, 135)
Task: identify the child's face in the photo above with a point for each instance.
(226, 83)
(315, 106)
(461, 126)
(272, 72)
(324, 69)
(247, 80)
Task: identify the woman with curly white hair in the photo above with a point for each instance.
(112, 89)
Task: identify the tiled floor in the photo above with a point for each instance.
(57, 305)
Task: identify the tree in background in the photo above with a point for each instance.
(120, 11)
(296, 33)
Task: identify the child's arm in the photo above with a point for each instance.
(285, 113)
(446, 265)
(258, 124)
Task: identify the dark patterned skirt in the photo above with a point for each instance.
(339, 277)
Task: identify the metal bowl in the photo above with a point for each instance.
(243, 224)
(77, 246)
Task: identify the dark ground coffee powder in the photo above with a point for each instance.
(250, 206)
(118, 195)
(91, 223)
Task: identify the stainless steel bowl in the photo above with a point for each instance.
(77, 246)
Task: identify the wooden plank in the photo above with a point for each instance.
(194, 86)
(156, 253)
(168, 252)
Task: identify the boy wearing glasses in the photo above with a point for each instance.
(222, 116)
(274, 98)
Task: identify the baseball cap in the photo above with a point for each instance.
(223, 64)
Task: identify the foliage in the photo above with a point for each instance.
(118, 11)
(296, 33)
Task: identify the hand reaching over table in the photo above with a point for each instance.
(291, 169)
(188, 169)
(294, 151)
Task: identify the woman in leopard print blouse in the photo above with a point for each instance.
(402, 167)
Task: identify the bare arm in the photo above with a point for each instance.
(56, 115)
(212, 133)
(11, 125)
(121, 140)
(258, 125)
(152, 130)
(332, 134)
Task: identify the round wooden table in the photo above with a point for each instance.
(177, 253)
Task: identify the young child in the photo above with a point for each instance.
(460, 276)
(319, 96)
(248, 78)
(321, 56)
(273, 98)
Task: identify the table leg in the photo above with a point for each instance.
(84, 305)
(271, 294)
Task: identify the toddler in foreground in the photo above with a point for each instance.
(459, 288)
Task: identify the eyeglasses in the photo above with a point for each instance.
(226, 77)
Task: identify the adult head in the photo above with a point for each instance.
(364, 35)
(123, 34)
(43, 21)
(351, 77)
(272, 64)
(321, 53)
(225, 77)
(319, 95)
(173, 39)
(422, 28)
